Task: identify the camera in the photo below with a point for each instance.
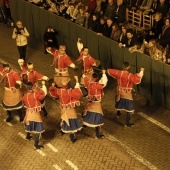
(18, 30)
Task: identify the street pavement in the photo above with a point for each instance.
(145, 146)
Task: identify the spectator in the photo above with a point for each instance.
(103, 7)
(71, 12)
(123, 36)
(120, 13)
(52, 7)
(80, 17)
(164, 39)
(149, 48)
(162, 7)
(108, 30)
(160, 54)
(62, 9)
(91, 4)
(111, 7)
(102, 26)
(130, 41)
(115, 32)
(87, 20)
(50, 39)
(98, 7)
(157, 26)
(20, 33)
(136, 48)
(95, 23)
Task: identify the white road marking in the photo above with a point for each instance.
(129, 151)
(52, 147)
(41, 152)
(22, 135)
(8, 123)
(71, 164)
(57, 167)
(155, 122)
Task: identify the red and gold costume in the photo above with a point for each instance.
(125, 82)
(93, 114)
(32, 76)
(12, 95)
(87, 61)
(61, 64)
(32, 119)
(69, 98)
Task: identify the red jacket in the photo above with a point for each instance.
(32, 101)
(95, 89)
(11, 78)
(31, 76)
(61, 62)
(68, 97)
(88, 61)
(125, 79)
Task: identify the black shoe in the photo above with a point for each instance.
(99, 136)
(45, 114)
(38, 146)
(129, 125)
(74, 140)
(28, 138)
(21, 119)
(62, 133)
(9, 119)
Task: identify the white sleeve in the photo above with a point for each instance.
(77, 85)
(103, 80)
(141, 74)
(79, 46)
(45, 78)
(72, 65)
(19, 82)
(44, 88)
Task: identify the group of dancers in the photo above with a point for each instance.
(33, 96)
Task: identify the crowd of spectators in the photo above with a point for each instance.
(108, 18)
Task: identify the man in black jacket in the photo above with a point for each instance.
(130, 41)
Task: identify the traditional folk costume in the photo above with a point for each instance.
(124, 99)
(87, 60)
(12, 95)
(32, 120)
(61, 63)
(93, 114)
(68, 101)
(32, 76)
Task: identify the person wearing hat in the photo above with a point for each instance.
(20, 34)
(87, 60)
(93, 114)
(32, 120)
(28, 74)
(69, 98)
(125, 82)
(61, 62)
(12, 95)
